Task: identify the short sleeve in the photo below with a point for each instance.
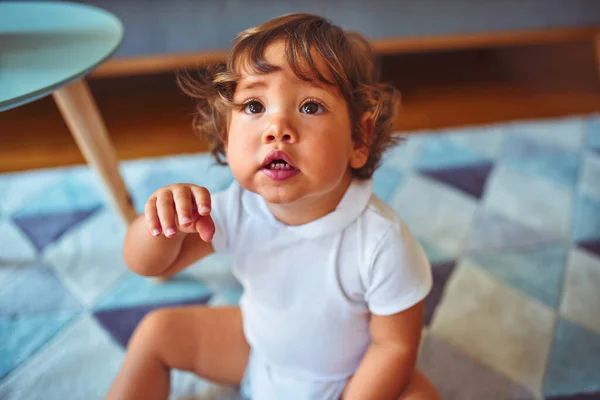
(225, 212)
(400, 274)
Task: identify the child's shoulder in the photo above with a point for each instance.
(379, 210)
(379, 216)
(382, 223)
(396, 274)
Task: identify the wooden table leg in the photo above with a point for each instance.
(81, 114)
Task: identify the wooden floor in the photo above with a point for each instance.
(148, 116)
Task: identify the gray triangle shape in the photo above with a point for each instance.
(591, 246)
(121, 322)
(470, 179)
(441, 273)
(458, 377)
(492, 231)
(537, 272)
(47, 228)
(573, 365)
(35, 289)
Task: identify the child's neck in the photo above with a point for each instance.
(311, 208)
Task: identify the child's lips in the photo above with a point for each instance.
(278, 155)
(280, 174)
(279, 166)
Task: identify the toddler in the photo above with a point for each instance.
(333, 282)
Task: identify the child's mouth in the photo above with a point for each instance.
(278, 165)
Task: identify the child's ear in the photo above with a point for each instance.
(360, 154)
(225, 151)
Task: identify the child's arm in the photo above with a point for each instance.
(174, 245)
(389, 362)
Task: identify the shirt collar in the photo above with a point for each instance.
(351, 206)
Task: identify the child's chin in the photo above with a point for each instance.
(278, 195)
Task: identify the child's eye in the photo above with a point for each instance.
(253, 107)
(312, 107)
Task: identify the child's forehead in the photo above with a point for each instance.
(248, 81)
(314, 71)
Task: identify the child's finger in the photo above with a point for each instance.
(205, 227)
(152, 216)
(183, 205)
(166, 213)
(202, 199)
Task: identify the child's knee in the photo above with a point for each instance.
(154, 326)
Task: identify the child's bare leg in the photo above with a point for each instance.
(419, 388)
(204, 340)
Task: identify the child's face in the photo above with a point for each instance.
(309, 121)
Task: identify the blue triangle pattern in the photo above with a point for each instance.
(22, 336)
(538, 272)
(456, 376)
(574, 361)
(589, 181)
(16, 246)
(434, 254)
(565, 133)
(537, 158)
(27, 187)
(73, 193)
(44, 229)
(121, 322)
(592, 247)
(470, 179)
(440, 152)
(32, 290)
(441, 273)
(403, 156)
(493, 231)
(484, 140)
(386, 180)
(572, 366)
(586, 219)
(593, 134)
(135, 290)
(4, 185)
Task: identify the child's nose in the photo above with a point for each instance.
(280, 130)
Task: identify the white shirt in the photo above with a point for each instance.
(309, 289)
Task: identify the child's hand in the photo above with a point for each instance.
(181, 207)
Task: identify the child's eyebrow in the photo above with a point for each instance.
(320, 85)
(248, 85)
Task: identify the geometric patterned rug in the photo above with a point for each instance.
(509, 216)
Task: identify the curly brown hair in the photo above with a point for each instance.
(348, 56)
